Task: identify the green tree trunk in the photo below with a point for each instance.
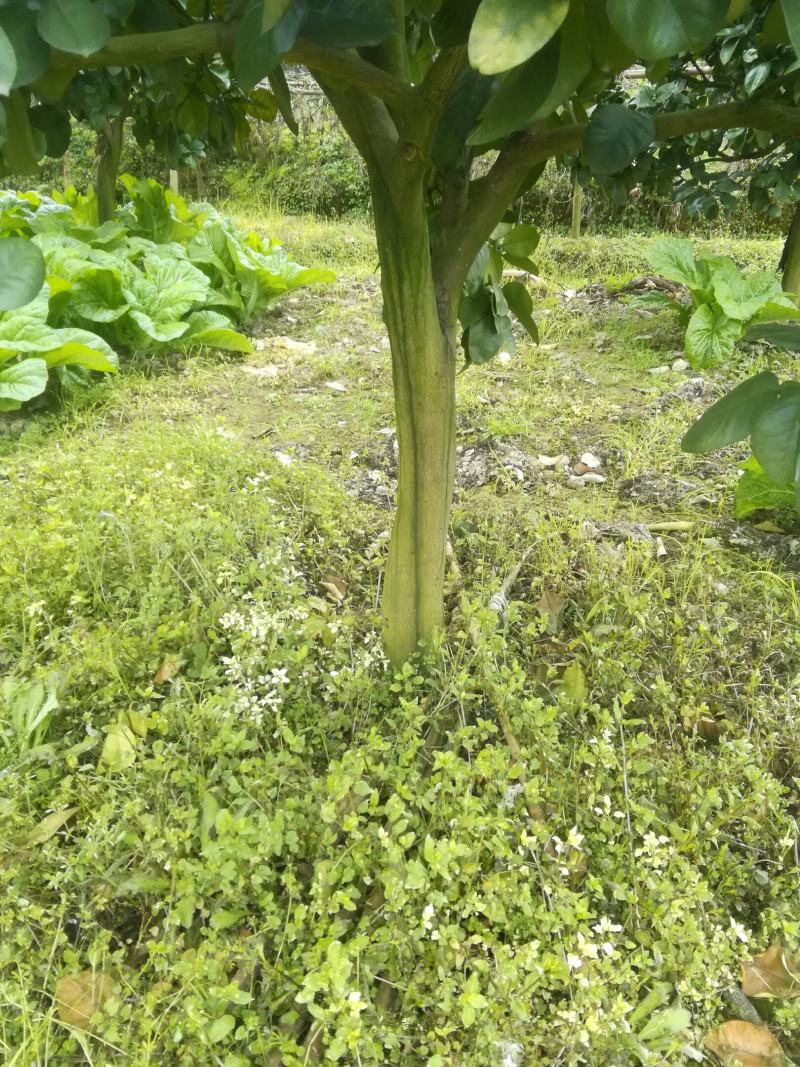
(108, 150)
(422, 335)
(577, 208)
(790, 260)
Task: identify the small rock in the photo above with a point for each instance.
(661, 549)
(592, 478)
(590, 460)
(387, 431)
(306, 348)
(503, 357)
(283, 458)
(681, 365)
(269, 371)
(336, 387)
(664, 369)
(575, 482)
(552, 461)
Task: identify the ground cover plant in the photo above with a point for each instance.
(162, 275)
(207, 765)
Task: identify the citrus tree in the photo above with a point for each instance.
(423, 88)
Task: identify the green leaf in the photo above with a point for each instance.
(465, 103)
(775, 435)
(8, 63)
(49, 826)
(672, 258)
(731, 418)
(80, 348)
(506, 33)
(119, 749)
(220, 1028)
(710, 337)
(54, 125)
(791, 15)
(20, 150)
(782, 335)
(283, 96)
(486, 337)
(521, 304)
(574, 62)
(615, 136)
(573, 685)
(224, 918)
(256, 53)
(273, 11)
(350, 23)
(668, 28)
(518, 97)
(193, 115)
(76, 26)
(756, 76)
(23, 381)
(756, 492)
(22, 271)
(741, 297)
(261, 104)
(214, 331)
(31, 53)
(520, 242)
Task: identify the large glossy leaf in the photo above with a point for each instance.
(350, 23)
(166, 289)
(77, 26)
(21, 381)
(667, 28)
(256, 53)
(519, 244)
(8, 63)
(521, 305)
(731, 418)
(461, 111)
(31, 53)
(518, 97)
(283, 97)
(615, 136)
(791, 14)
(781, 334)
(775, 435)
(574, 62)
(711, 337)
(80, 348)
(506, 33)
(22, 272)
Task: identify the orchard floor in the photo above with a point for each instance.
(246, 841)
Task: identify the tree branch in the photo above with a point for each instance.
(205, 38)
(437, 85)
(492, 195)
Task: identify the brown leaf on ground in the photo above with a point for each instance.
(772, 973)
(552, 604)
(79, 996)
(335, 587)
(167, 669)
(745, 1044)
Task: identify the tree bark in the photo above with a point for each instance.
(109, 150)
(790, 260)
(422, 335)
(577, 208)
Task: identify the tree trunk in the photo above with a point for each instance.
(109, 150)
(577, 208)
(790, 260)
(422, 335)
(174, 181)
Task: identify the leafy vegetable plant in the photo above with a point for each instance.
(163, 275)
(725, 305)
(768, 412)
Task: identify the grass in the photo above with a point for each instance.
(492, 857)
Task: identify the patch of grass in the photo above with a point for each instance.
(469, 861)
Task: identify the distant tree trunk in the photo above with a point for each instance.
(109, 150)
(174, 181)
(790, 260)
(577, 208)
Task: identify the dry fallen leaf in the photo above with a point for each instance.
(49, 826)
(335, 587)
(772, 973)
(165, 672)
(745, 1044)
(79, 996)
(552, 604)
